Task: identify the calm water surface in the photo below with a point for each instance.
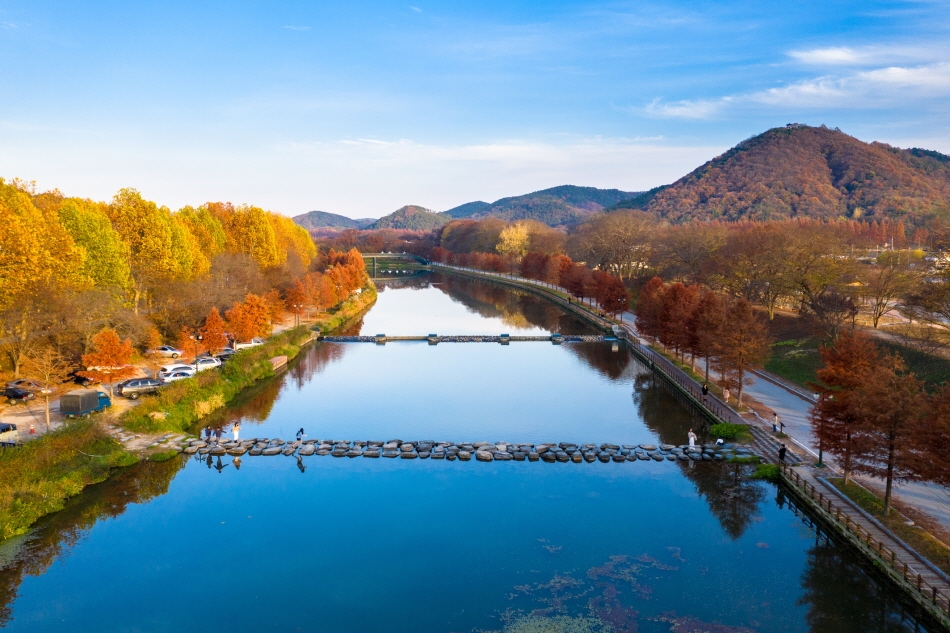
(324, 544)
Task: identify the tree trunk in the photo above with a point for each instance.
(739, 395)
(890, 479)
(47, 411)
(707, 368)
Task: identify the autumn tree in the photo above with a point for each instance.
(513, 241)
(213, 332)
(621, 242)
(109, 360)
(612, 295)
(891, 408)
(846, 364)
(742, 344)
(705, 325)
(249, 318)
(895, 275)
(48, 366)
(649, 308)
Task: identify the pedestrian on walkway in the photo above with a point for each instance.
(705, 392)
(781, 454)
(725, 395)
(775, 422)
(692, 439)
(236, 430)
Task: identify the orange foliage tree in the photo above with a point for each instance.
(213, 332)
(109, 360)
(250, 318)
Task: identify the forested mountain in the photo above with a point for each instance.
(411, 217)
(801, 171)
(468, 209)
(322, 219)
(557, 206)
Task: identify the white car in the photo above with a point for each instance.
(206, 362)
(165, 370)
(167, 351)
(178, 375)
(254, 342)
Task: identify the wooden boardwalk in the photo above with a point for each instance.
(925, 584)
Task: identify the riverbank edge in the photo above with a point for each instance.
(62, 464)
(182, 405)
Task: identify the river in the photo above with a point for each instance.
(339, 544)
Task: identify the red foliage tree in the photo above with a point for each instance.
(109, 360)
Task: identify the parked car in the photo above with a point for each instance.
(254, 342)
(166, 350)
(13, 395)
(165, 370)
(226, 354)
(28, 384)
(82, 402)
(9, 436)
(178, 375)
(134, 388)
(82, 381)
(205, 362)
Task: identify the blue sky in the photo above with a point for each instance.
(358, 108)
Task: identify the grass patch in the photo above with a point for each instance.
(751, 459)
(163, 456)
(38, 477)
(933, 370)
(926, 544)
(728, 431)
(767, 472)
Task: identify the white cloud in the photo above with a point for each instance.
(877, 55)
(297, 28)
(833, 55)
(880, 87)
(416, 9)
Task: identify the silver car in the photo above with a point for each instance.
(167, 351)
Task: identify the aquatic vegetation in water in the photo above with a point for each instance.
(689, 624)
(556, 624)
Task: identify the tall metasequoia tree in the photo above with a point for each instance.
(742, 344)
(109, 360)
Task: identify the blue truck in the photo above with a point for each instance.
(83, 402)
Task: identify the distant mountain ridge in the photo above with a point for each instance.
(557, 206)
(803, 171)
(411, 217)
(323, 220)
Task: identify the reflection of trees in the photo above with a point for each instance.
(842, 598)
(599, 357)
(55, 534)
(732, 497)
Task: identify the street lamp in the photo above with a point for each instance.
(196, 337)
(296, 308)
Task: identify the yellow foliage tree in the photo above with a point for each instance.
(514, 240)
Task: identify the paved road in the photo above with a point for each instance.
(793, 411)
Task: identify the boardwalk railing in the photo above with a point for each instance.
(925, 587)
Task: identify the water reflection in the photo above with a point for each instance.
(56, 534)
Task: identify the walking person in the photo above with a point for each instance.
(774, 422)
(781, 454)
(218, 432)
(692, 439)
(207, 434)
(236, 430)
(705, 392)
(725, 395)
(300, 435)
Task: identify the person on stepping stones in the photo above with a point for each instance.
(692, 438)
(781, 454)
(300, 435)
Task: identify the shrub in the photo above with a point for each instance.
(768, 472)
(728, 431)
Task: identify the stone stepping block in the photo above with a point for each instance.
(533, 456)
(519, 456)
(272, 450)
(465, 455)
(376, 443)
(390, 446)
(562, 457)
(237, 450)
(480, 444)
(371, 453)
(407, 448)
(198, 444)
(603, 457)
(671, 458)
(277, 442)
(502, 456)
(648, 447)
(683, 457)
(643, 456)
(548, 457)
(204, 450)
(589, 457)
(191, 450)
(289, 450)
(451, 456)
(695, 457)
(219, 450)
(440, 455)
(666, 447)
(409, 455)
(577, 458)
(424, 454)
(541, 449)
(338, 452)
(619, 458)
(657, 457)
(390, 453)
(255, 452)
(322, 452)
(483, 456)
(307, 450)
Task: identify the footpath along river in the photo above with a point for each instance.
(340, 544)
